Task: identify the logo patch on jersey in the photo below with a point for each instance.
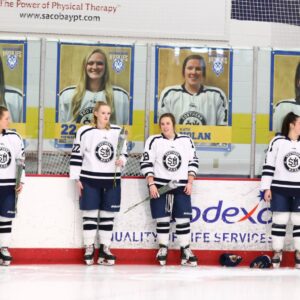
(105, 151)
(192, 118)
(5, 157)
(292, 162)
(85, 116)
(172, 161)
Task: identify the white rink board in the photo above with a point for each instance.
(48, 216)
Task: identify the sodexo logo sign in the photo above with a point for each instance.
(259, 214)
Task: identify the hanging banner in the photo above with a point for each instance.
(87, 74)
(285, 86)
(13, 57)
(194, 84)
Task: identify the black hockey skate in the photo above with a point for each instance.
(162, 254)
(276, 259)
(187, 257)
(5, 257)
(297, 259)
(105, 256)
(89, 254)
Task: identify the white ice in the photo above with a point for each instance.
(74, 282)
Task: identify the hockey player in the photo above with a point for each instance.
(11, 98)
(288, 105)
(97, 172)
(281, 185)
(77, 103)
(11, 149)
(193, 103)
(170, 156)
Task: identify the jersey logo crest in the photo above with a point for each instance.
(104, 151)
(172, 160)
(292, 162)
(85, 116)
(192, 118)
(5, 157)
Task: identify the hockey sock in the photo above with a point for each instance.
(183, 231)
(5, 231)
(162, 230)
(295, 218)
(280, 220)
(106, 225)
(89, 218)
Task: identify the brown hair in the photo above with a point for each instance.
(96, 108)
(290, 118)
(168, 115)
(198, 57)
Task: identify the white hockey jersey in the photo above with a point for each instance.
(282, 109)
(11, 148)
(94, 153)
(282, 165)
(120, 98)
(14, 103)
(169, 159)
(207, 107)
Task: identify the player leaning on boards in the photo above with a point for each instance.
(171, 156)
(93, 165)
(11, 150)
(281, 185)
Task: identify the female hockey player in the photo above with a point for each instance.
(11, 151)
(194, 103)
(171, 156)
(96, 165)
(77, 103)
(281, 185)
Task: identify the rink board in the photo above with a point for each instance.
(228, 215)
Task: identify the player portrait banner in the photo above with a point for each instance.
(137, 18)
(204, 114)
(13, 58)
(78, 67)
(285, 86)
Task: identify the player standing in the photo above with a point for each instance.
(97, 173)
(171, 156)
(11, 149)
(281, 185)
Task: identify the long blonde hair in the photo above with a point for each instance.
(96, 108)
(2, 84)
(83, 85)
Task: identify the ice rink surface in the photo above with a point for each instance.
(74, 282)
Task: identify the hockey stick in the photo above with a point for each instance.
(121, 141)
(19, 170)
(164, 189)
